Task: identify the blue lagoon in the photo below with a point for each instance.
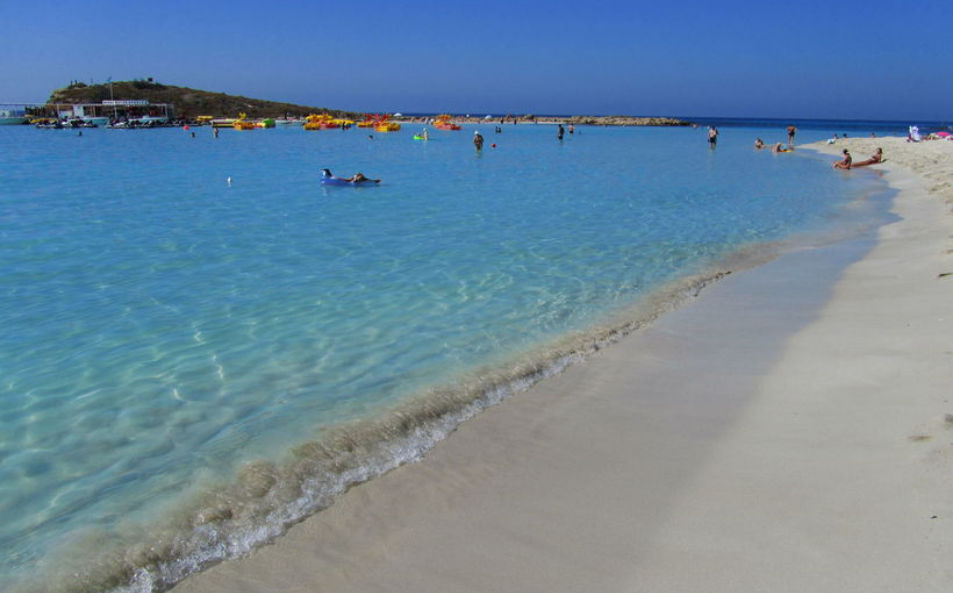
(189, 365)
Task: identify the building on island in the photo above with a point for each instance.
(120, 110)
(138, 111)
(13, 113)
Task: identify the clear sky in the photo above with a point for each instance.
(855, 59)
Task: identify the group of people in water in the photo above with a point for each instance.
(776, 147)
(845, 163)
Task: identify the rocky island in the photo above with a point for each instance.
(624, 120)
(189, 103)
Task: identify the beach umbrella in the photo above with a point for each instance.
(488, 117)
(943, 134)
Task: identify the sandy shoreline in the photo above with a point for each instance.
(787, 432)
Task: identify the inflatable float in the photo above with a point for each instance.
(335, 181)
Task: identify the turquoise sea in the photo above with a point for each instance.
(188, 366)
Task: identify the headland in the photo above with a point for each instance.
(191, 104)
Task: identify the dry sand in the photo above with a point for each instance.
(791, 431)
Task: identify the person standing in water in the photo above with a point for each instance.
(478, 140)
(791, 131)
(712, 136)
(560, 133)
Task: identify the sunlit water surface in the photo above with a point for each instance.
(162, 328)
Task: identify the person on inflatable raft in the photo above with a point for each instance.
(357, 178)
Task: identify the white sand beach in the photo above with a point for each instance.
(789, 431)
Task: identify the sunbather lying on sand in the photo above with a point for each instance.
(878, 157)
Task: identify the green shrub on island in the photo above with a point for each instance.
(188, 102)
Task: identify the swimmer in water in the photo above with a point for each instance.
(360, 178)
(357, 178)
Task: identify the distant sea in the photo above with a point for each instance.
(202, 345)
(857, 127)
(831, 126)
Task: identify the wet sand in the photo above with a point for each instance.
(791, 430)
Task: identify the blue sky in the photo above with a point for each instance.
(869, 59)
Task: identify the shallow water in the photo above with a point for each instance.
(167, 333)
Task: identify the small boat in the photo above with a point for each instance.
(95, 121)
(48, 124)
(379, 122)
(13, 117)
(12, 120)
(79, 122)
(243, 124)
(443, 123)
(321, 121)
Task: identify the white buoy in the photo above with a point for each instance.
(229, 180)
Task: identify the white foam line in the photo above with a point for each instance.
(221, 369)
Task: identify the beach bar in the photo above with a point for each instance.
(15, 113)
(103, 113)
(113, 110)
